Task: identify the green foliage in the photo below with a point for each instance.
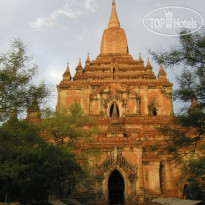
(193, 174)
(76, 131)
(188, 126)
(17, 88)
(16, 133)
(30, 169)
(190, 53)
(72, 127)
(186, 131)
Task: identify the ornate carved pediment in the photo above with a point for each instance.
(98, 90)
(116, 159)
(114, 96)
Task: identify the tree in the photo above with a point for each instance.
(76, 131)
(72, 126)
(30, 169)
(186, 133)
(17, 88)
(193, 175)
(190, 122)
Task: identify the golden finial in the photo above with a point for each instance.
(87, 63)
(148, 63)
(68, 69)
(114, 21)
(161, 70)
(113, 2)
(79, 62)
(140, 57)
(162, 73)
(66, 75)
(88, 58)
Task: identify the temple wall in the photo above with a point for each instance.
(142, 176)
(134, 104)
(129, 102)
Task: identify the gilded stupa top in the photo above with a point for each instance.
(114, 39)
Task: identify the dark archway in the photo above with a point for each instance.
(114, 73)
(116, 188)
(114, 110)
(162, 175)
(155, 112)
(186, 192)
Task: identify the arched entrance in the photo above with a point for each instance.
(114, 111)
(186, 192)
(116, 188)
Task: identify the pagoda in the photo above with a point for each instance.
(130, 102)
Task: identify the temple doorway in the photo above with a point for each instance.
(116, 188)
(114, 111)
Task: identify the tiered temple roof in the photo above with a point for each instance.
(130, 103)
(115, 64)
(113, 73)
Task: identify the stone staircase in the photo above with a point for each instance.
(115, 128)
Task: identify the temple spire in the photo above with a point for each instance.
(148, 62)
(88, 58)
(114, 21)
(67, 75)
(87, 63)
(162, 74)
(140, 59)
(79, 68)
(149, 66)
(79, 64)
(114, 39)
(33, 111)
(68, 69)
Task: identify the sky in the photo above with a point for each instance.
(61, 31)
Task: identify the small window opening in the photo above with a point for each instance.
(155, 112)
(113, 74)
(125, 135)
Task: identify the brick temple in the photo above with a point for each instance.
(130, 102)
